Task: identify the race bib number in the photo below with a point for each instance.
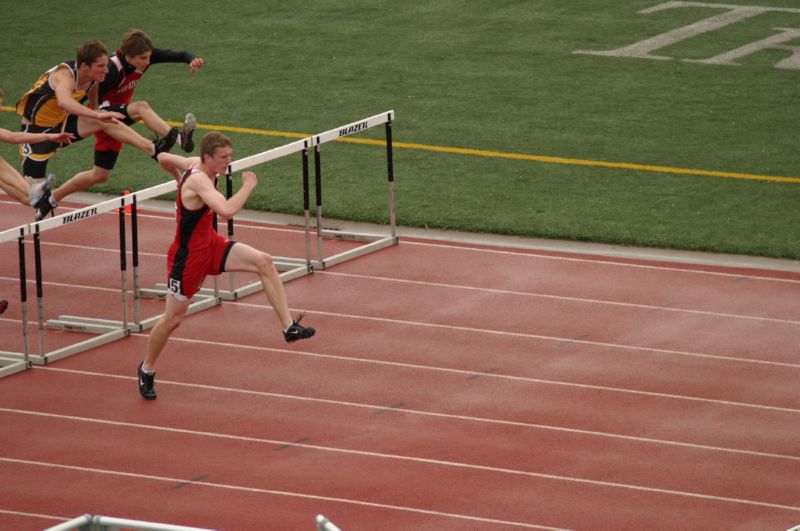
(174, 286)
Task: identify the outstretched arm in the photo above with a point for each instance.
(161, 55)
(11, 137)
(63, 84)
(175, 164)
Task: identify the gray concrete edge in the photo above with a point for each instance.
(513, 242)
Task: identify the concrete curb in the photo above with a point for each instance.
(514, 242)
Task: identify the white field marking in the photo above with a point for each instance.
(34, 515)
(240, 488)
(560, 297)
(534, 254)
(103, 249)
(472, 288)
(496, 332)
(545, 338)
(395, 457)
(63, 285)
(449, 416)
(100, 249)
(539, 381)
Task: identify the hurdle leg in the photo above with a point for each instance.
(318, 185)
(23, 295)
(228, 195)
(137, 316)
(306, 210)
(37, 259)
(390, 179)
(123, 264)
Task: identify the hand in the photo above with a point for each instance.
(62, 138)
(195, 65)
(249, 178)
(110, 117)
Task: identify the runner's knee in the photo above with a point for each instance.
(173, 321)
(137, 109)
(100, 175)
(264, 263)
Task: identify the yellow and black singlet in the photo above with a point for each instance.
(40, 106)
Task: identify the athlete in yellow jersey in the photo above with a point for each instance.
(11, 181)
(54, 105)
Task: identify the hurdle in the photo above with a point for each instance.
(88, 522)
(373, 242)
(324, 524)
(110, 330)
(14, 362)
(105, 330)
(288, 268)
(291, 268)
(83, 324)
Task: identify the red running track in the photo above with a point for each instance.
(449, 386)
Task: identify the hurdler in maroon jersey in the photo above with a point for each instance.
(125, 68)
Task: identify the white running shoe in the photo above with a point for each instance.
(39, 188)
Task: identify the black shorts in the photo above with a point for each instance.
(35, 156)
(122, 109)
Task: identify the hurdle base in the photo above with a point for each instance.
(12, 363)
(376, 243)
(87, 325)
(44, 359)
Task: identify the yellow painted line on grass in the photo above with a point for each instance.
(518, 156)
(502, 155)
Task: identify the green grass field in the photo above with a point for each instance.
(497, 76)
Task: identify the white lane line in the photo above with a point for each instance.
(421, 460)
(35, 515)
(546, 338)
(450, 416)
(557, 297)
(241, 488)
(537, 254)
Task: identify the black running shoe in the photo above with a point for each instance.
(46, 205)
(146, 383)
(3, 305)
(165, 143)
(297, 331)
(189, 125)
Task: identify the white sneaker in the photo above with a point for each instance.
(39, 188)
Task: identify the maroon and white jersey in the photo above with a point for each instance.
(119, 88)
(120, 82)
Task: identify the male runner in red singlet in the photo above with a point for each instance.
(198, 251)
(125, 68)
